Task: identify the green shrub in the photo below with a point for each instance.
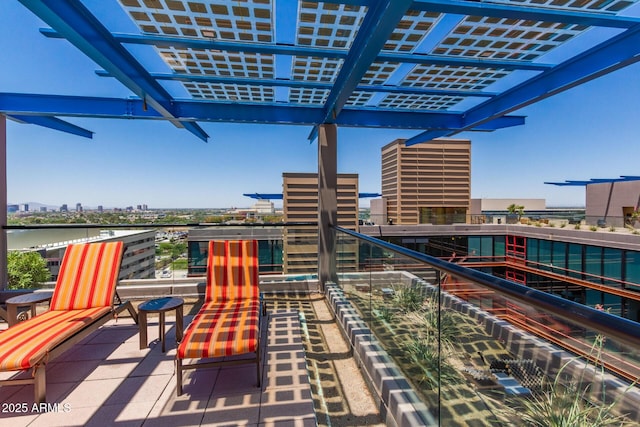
(26, 270)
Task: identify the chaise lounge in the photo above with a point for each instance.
(82, 301)
(228, 323)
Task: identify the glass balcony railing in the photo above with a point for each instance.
(480, 350)
(171, 253)
(569, 219)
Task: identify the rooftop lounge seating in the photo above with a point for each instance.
(228, 323)
(82, 301)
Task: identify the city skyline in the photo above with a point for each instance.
(586, 132)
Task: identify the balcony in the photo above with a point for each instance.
(383, 66)
(109, 380)
(432, 343)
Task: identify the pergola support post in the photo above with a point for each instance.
(4, 278)
(327, 202)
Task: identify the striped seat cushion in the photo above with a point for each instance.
(26, 344)
(222, 329)
(232, 270)
(88, 276)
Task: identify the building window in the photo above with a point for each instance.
(593, 264)
(632, 266)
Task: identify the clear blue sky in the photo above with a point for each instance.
(587, 132)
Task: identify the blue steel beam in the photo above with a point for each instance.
(53, 123)
(462, 62)
(75, 23)
(377, 26)
(501, 123)
(498, 10)
(303, 51)
(310, 85)
(211, 44)
(603, 180)
(264, 196)
(568, 184)
(376, 118)
(74, 106)
(618, 52)
(580, 183)
(78, 106)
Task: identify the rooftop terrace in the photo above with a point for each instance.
(308, 379)
(436, 67)
(354, 355)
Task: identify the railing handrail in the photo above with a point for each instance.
(625, 330)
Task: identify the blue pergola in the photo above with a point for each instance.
(584, 183)
(437, 67)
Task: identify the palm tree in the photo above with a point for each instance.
(516, 209)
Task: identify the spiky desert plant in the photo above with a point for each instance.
(436, 369)
(408, 299)
(440, 323)
(568, 405)
(386, 313)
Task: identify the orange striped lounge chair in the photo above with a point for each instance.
(228, 323)
(82, 301)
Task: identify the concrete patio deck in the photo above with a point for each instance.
(108, 380)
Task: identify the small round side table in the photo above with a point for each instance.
(26, 300)
(160, 306)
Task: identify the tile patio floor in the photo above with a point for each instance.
(107, 380)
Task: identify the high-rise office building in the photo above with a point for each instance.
(300, 204)
(427, 183)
